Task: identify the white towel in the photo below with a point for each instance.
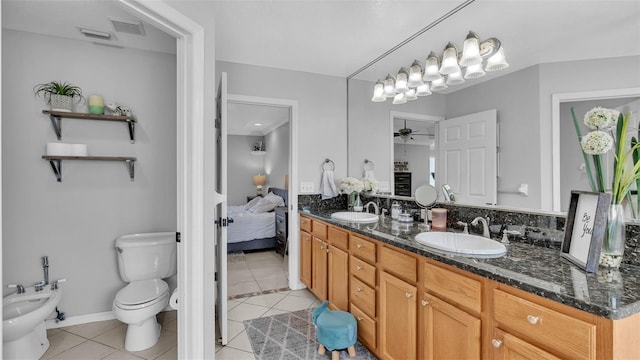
(327, 185)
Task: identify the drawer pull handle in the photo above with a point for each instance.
(359, 289)
(533, 319)
(359, 318)
(327, 249)
(358, 267)
(359, 246)
(321, 247)
(496, 343)
(408, 295)
(424, 303)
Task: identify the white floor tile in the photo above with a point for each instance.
(272, 312)
(123, 355)
(267, 300)
(113, 337)
(88, 350)
(61, 341)
(246, 312)
(234, 328)
(243, 288)
(305, 293)
(241, 342)
(271, 284)
(294, 303)
(229, 353)
(165, 342)
(172, 354)
(91, 330)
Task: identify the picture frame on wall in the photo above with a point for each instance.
(585, 229)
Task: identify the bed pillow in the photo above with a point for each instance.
(267, 203)
(252, 202)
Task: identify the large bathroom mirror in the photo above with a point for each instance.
(552, 48)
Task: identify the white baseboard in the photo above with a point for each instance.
(85, 319)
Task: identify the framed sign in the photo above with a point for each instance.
(585, 229)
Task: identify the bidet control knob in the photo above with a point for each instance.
(18, 286)
(54, 285)
(39, 286)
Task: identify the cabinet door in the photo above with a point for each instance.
(509, 347)
(319, 268)
(338, 279)
(397, 324)
(305, 258)
(460, 340)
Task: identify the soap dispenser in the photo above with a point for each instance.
(396, 209)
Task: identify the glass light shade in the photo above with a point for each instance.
(415, 75)
(432, 68)
(411, 95)
(401, 81)
(389, 86)
(423, 90)
(378, 92)
(399, 99)
(471, 51)
(474, 72)
(455, 78)
(438, 85)
(449, 60)
(497, 61)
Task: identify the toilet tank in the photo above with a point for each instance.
(146, 256)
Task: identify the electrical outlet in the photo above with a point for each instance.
(306, 187)
(383, 186)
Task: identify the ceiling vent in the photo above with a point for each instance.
(127, 26)
(95, 34)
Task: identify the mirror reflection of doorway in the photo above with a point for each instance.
(258, 160)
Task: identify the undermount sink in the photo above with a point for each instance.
(358, 217)
(461, 243)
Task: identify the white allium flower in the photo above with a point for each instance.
(370, 184)
(349, 185)
(600, 118)
(596, 143)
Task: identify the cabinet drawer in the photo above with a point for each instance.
(319, 229)
(363, 296)
(363, 271)
(364, 249)
(338, 238)
(305, 224)
(366, 327)
(571, 337)
(452, 286)
(399, 264)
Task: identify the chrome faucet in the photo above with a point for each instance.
(17, 286)
(45, 266)
(375, 207)
(485, 226)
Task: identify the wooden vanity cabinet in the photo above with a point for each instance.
(319, 262)
(338, 269)
(363, 293)
(398, 318)
(305, 258)
(509, 347)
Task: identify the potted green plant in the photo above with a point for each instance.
(59, 95)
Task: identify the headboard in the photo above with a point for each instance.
(282, 193)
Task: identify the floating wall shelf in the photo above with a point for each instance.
(56, 162)
(57, 116)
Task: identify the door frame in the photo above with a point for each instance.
(294, 229)
(193, 327)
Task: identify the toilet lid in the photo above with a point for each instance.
(140, 292)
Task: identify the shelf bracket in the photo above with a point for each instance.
(56, 122)
(56, 166)
(132, 134)
(130, 167)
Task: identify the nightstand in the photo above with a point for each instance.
(282, 229)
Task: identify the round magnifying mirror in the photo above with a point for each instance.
(426, 195)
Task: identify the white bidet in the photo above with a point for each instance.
(24, 334)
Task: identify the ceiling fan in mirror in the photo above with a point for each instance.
(407, 134)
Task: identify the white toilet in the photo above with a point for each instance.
(144, 260)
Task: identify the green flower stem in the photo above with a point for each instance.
(587, 163)
(597, 160)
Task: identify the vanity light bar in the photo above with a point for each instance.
(440, 72)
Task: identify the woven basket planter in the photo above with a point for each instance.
(61, 102)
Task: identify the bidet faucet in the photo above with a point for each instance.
(45, 266)
(485, 226)
(376, 209)
(18, 286)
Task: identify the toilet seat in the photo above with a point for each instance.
(141, 294)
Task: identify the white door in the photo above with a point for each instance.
(221, 208)
(467, 155)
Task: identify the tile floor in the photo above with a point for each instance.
(105, 339)
(260, 271)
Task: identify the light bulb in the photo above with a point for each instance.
(399, 99)
(415, 75)
(423, 90)
(449, 60)
(455, 78)
(432, 68)
(438, 85)
(401, 81)
(378, 92)
(497, 61)
(410, 95)
(474, 71)
(471, 50)
(389, 86)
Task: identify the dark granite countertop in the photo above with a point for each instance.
(613, 294)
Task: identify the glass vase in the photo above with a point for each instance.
(357, 205)
(614, 238)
